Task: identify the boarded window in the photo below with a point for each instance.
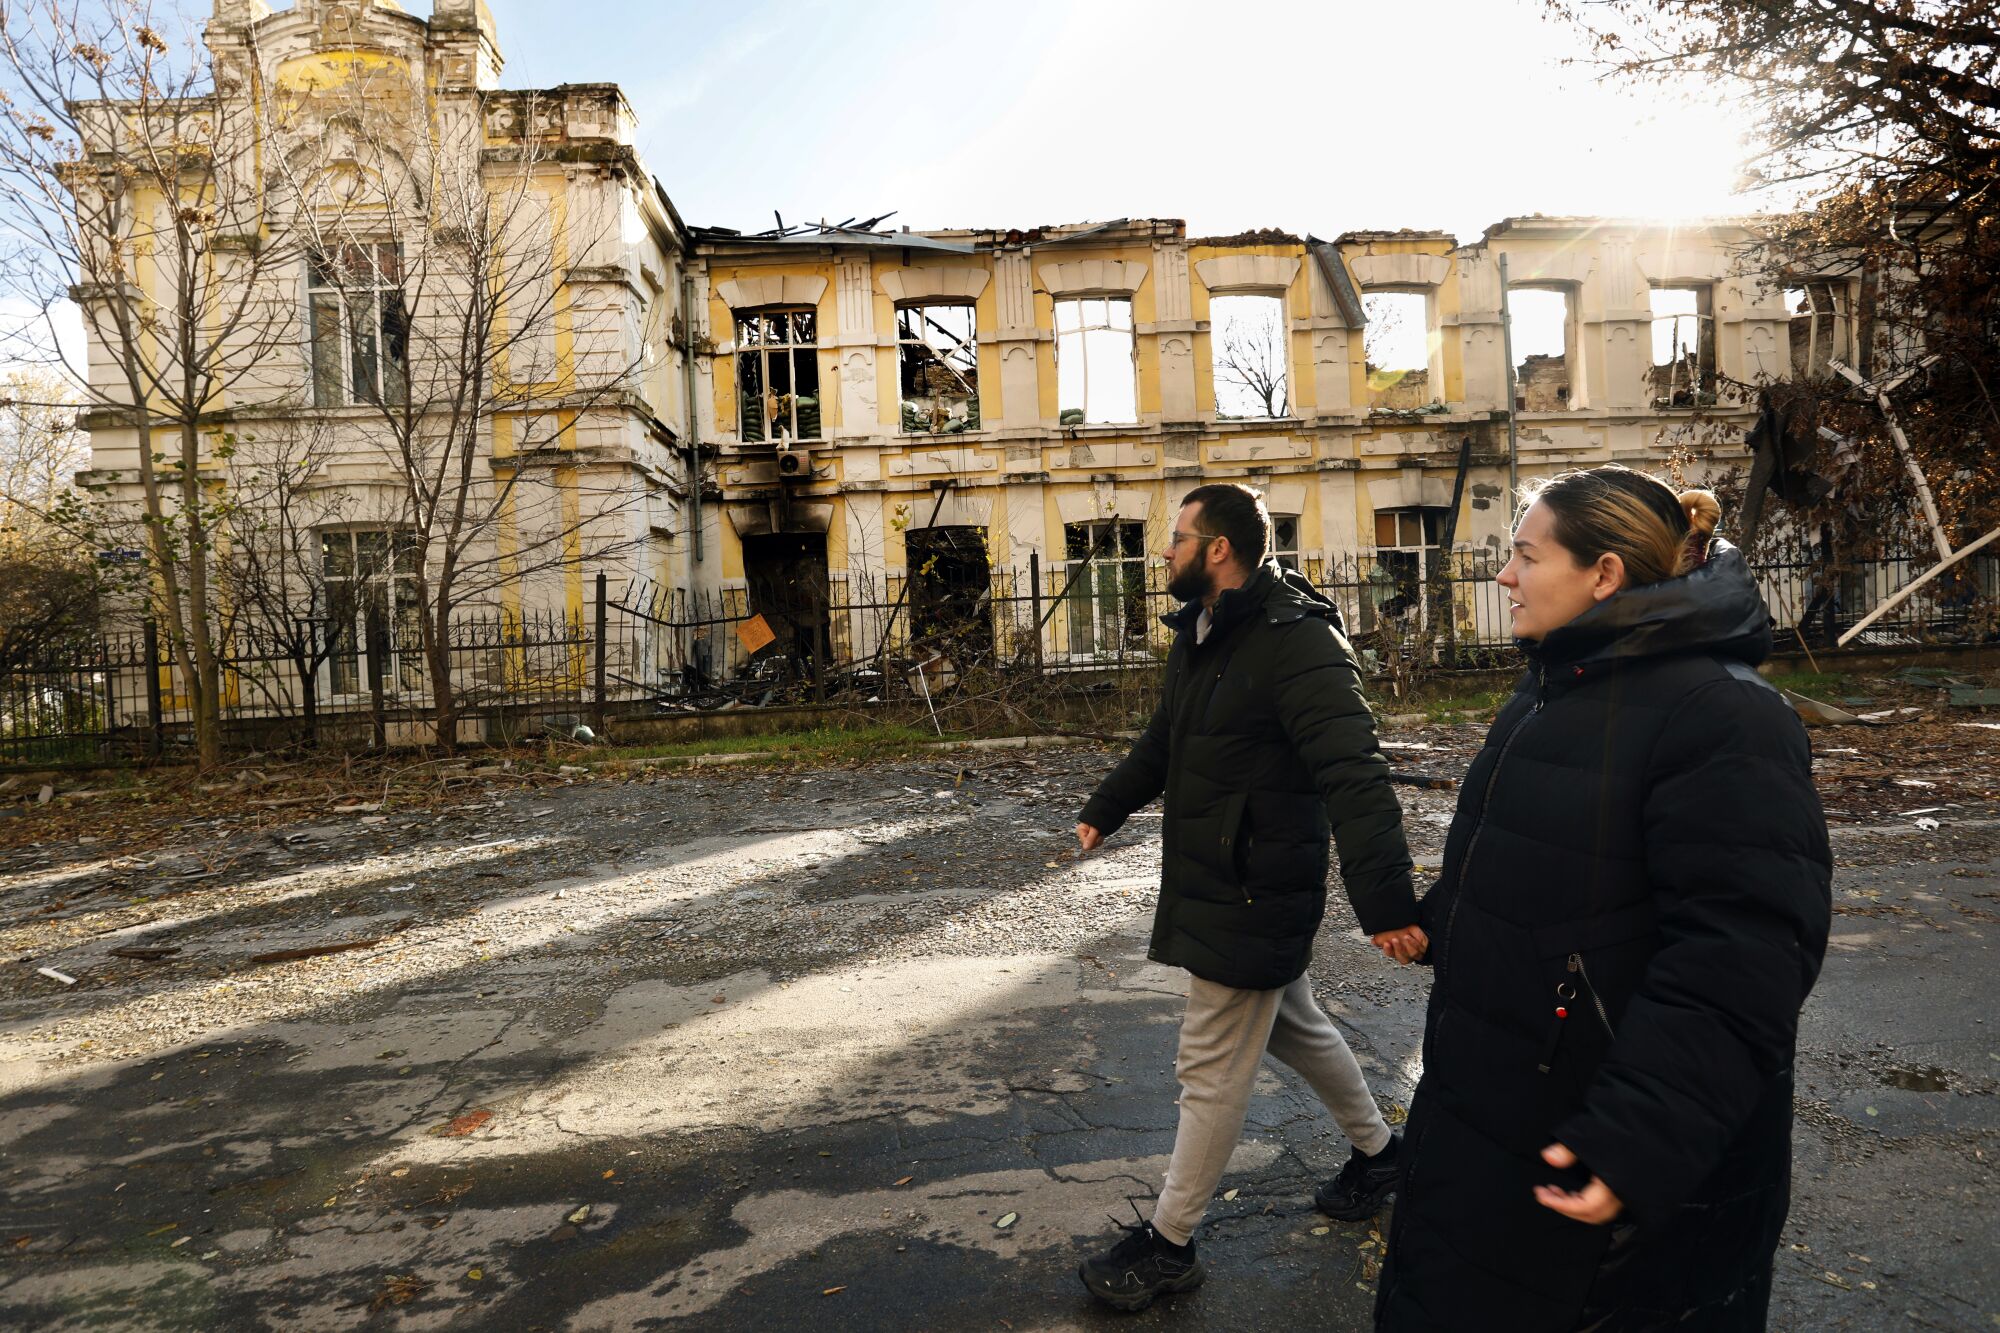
(1248, 335)
(1097, 376)
(1397, 345)
(937, 356)
(1683, 370)
(358, 325)
(1107, 582)
(777, 375)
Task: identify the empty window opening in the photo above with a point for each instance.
(1538, 322)
(1397, 346)
(1683, 371)
(1819, 324)
(777, 375)
(951, 592)
(1107, 581)
(1406, 554)
(358, 325)
(1249, 337)
(1097, 376)
(937, 354)
(370, 581)
(1285, 540)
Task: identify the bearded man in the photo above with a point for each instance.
(1262, 745)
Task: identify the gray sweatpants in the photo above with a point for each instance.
(1225, 1033)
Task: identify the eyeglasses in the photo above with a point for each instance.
(1180, 537)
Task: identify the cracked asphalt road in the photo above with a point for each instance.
(735, 1048)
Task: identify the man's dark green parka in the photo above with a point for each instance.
(1261, 744)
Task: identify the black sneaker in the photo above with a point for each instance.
(1140, 1267)
(1364, 1184)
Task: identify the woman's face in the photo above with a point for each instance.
(1546, 587)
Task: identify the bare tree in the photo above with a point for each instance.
(128, 185)
(280, 604)
(41, 449)
(440, 266)
(48, 585)
(1251, 358)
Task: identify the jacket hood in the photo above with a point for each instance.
(1714, 609)
(1285, 595)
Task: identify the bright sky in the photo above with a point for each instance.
(1300, 114)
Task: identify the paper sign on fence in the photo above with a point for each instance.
(755, 633)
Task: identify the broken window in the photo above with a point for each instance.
(1539, 325)
(357, 325)
(777, 375)
(1097, 373)
(937, 352)
(951, 592)
(1249, 336)
(370, 580)
(1683, 372)
(1285, 540)
(1406, 554)
(1397, 346)
(1107, 582)
(1819, 325)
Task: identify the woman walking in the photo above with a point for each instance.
(1633, 907)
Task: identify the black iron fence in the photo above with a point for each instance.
(857, 637)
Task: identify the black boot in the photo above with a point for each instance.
(1364, 1184)
(1143, 1265)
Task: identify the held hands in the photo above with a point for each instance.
(1594, 1203)
(1088, 838)
(1403, 946)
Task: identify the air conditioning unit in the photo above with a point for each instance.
(794, 462)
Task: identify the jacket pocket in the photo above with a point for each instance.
(1208, 847)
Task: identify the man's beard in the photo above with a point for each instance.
(1192, 584)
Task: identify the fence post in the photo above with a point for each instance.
(378, 648)
(155, 741)
(1035, 600)
(597, 713)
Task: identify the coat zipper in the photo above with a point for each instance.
(1458, 886)
(1597, 1002)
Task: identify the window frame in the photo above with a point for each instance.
(1279, 307)
(1702, 392)
(383, 587)
(1839, 324)
(1109, 597)
(1403, 578)
(330, 287)
(1081, 333)
(1285, 554)
(973, 416)
(760, 347)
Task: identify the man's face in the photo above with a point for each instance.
(1189, 578)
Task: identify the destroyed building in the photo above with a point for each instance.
(799, 416)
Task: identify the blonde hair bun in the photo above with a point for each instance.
(1703, 510)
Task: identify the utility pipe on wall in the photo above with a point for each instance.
(1513, 437)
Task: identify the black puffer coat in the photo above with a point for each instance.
(1638, 844)
(1261, 742)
